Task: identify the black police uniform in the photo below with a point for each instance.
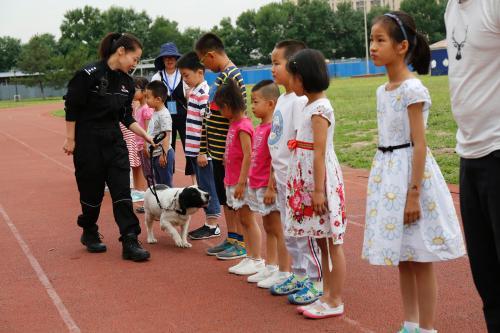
(179, 119)
(98, 98)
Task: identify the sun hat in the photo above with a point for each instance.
(166, 50)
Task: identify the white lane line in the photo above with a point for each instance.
(64, 166)
(44, 280)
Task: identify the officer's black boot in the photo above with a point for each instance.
(132, 249)
(92, 240)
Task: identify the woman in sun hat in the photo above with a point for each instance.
(176, 103)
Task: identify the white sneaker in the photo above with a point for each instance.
(251, 267)
(276, 278)
(263, 274)
(241, 263)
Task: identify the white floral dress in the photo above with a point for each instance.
(436, 235)
(300, 218)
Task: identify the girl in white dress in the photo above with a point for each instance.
(315, 189)
(410, 218)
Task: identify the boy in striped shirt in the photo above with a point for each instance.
(211, 54)
(192, 72)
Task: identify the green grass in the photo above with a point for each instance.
(59, 113)
(27, 102)
(355, 139)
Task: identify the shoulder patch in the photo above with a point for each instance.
(90, 69)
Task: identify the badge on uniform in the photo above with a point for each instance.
(172, 107)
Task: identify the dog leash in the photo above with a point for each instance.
(150, 178)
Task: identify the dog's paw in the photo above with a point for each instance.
(152, 240)
(186, 245)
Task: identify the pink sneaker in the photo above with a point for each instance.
(323, 310)
(302, 308)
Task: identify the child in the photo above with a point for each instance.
(210, 51)
(193, 75)
(142, 115)
(410, 218)
(237, 159)
(163, 155)
(315, 193)
(261, 195)
(304, 285)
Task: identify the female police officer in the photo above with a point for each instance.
(99, 96)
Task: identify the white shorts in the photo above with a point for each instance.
(231, 201)
(254, 198)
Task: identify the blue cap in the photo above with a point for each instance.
(166, 50)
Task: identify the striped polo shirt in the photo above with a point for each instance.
(196, 106)
(215, 126)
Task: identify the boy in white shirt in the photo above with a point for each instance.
(161, 121)
(302, 285)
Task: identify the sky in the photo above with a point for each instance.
(24, 18)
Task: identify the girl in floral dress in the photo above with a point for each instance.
(410, 217)
(315, 190)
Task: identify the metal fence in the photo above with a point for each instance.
(8, 92)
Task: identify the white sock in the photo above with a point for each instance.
(423, 330)
(410, 326)
(211, 226)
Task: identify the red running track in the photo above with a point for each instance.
(51, 284)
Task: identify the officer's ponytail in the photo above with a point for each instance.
(401, 26)
(114, 40)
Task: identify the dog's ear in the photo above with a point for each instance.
(183, 198)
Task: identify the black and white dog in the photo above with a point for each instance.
(177, 206)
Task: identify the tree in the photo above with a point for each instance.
(349, 32)
(272, 23)
(161, 31)
(188, 38)
(118, 19)
(246, 30)
(10, 48)
(428, 16)
(38, 57)
(82, 29)
(312, 23)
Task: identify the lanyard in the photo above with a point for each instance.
(165, 80)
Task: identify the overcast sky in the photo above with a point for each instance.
(24, 18)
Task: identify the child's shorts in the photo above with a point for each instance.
(231, 201)
(254, 198)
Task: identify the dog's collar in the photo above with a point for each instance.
(173, 205)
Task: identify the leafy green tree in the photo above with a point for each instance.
(118, 19)
(312, 22)
(246, 44)
(38, 57)
(349, 32)
(10, 48)
(188, 38)
(272, 25)
(82, 29)
(161, 31)
(428, 16)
